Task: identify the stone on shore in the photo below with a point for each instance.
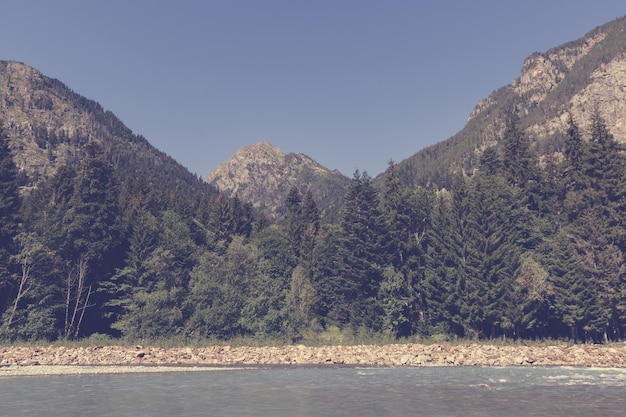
(397, 355)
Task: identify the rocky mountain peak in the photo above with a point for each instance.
(260, 151)
(261, 174)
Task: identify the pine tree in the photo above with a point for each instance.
(333, 291)
(228, 217)
(607, 171)
(92, 221)
(407, 215)
(490, 162)
(441, 308)
(570, 287)
(363, 248)
(147, 295)
(574, 149)
(448, 271)
(311, 222)
(295, 225)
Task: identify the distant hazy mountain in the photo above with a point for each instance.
(572, 79)
(262, 175)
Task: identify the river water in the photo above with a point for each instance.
(300, 392)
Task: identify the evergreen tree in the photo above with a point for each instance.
(607, 172)
(221, 221)
(9, 224)
(574, 149)
(601, 263)
(91, 227)
(75, 215)
(507, 228)
(92, 221)
(595, 204)
(229, 216)
(490, 162)
(519, 163)
(407, 215)
(570, 286)
(442, 261)
(451, 273)
(303, 221)
(149, 292)
(295, 225)
(332, 289)
(302, 291)
(362, 250)
(311, 222)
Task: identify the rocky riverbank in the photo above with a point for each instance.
(407, 355)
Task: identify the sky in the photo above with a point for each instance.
(352, 84)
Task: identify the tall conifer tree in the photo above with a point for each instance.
(363, 248)
(9, 207)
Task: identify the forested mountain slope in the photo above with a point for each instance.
(48, 124)
(572, 79)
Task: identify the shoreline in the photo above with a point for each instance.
(55, 360)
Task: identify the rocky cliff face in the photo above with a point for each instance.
(33, 115)
(604, 86)
(262, 175)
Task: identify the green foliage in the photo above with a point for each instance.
(217, 291)
(395, 300)
(301, 298)
(362, 251)
(533, 290)
(520, 166)
(122, 245)
(331, 287)
(33, 310)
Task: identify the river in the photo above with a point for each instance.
(293, 392)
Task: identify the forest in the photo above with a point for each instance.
(522, 247)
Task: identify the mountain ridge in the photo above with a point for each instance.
(575, 78)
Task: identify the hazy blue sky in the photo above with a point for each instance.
(351, 83)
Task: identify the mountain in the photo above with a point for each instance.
(48, 124)
(577, 79)
(262, 175)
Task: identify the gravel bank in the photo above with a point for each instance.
(45, 360)
(41, 370)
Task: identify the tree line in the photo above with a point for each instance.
(521, 247)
